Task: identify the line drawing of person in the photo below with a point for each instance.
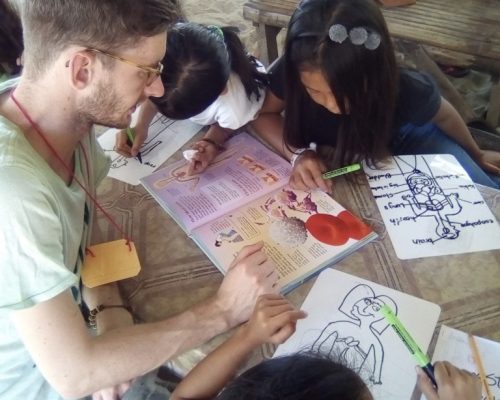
(428, 199)
(357, 340)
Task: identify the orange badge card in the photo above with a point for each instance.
(110, 262)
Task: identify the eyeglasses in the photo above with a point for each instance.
(151, 73)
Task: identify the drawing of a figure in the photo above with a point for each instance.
(357, 339)
(232, 236)
(427, 199)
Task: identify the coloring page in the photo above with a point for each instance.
(453, 345)
(431, 207)
(344, 323)
(165, 137)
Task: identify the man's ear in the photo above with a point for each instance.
(81, 68)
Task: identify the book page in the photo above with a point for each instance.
(431, 207)
(244, 171)
(453, 346)
(302, 231)
(344, 323)
(165, 137)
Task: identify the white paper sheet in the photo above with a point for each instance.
(431, 207)
(165, 137)
(343, 319)
(453, 345)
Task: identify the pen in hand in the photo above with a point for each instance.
(130, 141)
(421, 358)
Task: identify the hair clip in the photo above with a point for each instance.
(358, 36)
(216, 30)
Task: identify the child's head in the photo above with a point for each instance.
(297, 377)
(198, 62)
(339, 53)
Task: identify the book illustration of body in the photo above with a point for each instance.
(292, 230)
(180, 174)
(286, 229)
(358, 340)
(231, 236)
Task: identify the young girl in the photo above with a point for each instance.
(298, 376)
(340, 88)
(209, 78)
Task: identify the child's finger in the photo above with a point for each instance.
(425, 385)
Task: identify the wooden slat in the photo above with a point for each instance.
(469, 29)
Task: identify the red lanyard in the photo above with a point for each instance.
(72, 174)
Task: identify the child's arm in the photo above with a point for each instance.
(308, 167)
(207, 148)
(450, 122)
(273, 321)
(146, 113)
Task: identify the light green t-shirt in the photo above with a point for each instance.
(44, 228)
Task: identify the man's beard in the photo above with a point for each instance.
(104, 108)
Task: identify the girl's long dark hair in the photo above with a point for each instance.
(363, 81)
(11, 39)
(198, 62)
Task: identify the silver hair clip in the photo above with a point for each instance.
(358, 36)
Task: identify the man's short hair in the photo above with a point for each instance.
(50, 26)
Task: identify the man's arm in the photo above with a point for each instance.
(77, 364)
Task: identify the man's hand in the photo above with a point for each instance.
(251, 274)
(453, 383)
(306, 174)
(273, 320)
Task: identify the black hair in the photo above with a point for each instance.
(11, 39)
(198, 62)
(302, 376)
(364, 82)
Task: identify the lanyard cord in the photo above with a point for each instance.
(72, 174)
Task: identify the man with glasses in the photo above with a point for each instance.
(85, 62)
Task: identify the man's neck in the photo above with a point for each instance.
(53, 112)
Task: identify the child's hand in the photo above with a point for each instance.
(453, 383)
(273, 320)
(306, 173)
(490, 161)
(205, 153)
(122, 145)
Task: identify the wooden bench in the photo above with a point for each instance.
(464, 33)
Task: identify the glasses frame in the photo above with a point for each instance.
(152, 73)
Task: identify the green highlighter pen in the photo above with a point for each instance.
(130, 141)
(420, 356)
(341, 171)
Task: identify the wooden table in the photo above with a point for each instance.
(176, 273)
(458, 32)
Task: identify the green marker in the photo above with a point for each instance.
(422, 359)
(341, 171)
(130, 141)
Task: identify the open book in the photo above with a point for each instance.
(243, 197)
